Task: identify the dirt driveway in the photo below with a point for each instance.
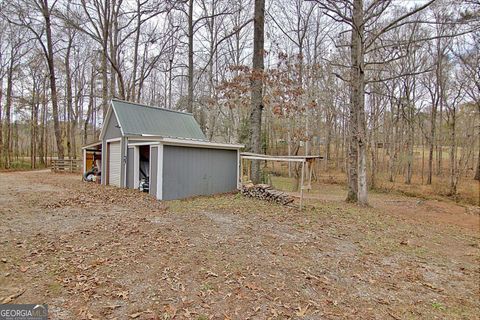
(95, 252)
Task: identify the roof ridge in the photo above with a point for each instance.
(151, 107)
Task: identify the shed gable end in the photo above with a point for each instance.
(111, 128)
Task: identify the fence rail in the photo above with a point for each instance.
(66, 165)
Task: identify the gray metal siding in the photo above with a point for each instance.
(130, 167)
(112, 129)
(189, 171)
(153, 170)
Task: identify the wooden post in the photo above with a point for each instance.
(310, 170)
(301, 185)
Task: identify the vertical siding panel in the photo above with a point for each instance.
(189, 171)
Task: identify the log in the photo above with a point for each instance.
(265, 192)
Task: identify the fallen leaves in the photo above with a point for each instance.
(138, 314)
(122, 295)
(13, 296)
(253, 286)
(211, 274)
(128, 261)
(23, 268)
(302, 311)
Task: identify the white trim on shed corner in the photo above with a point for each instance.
(136, 167)
(159, 194)
(239, 179)
(113, 140)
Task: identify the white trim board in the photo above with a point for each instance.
(133, 144)
(136, 167)
(94, 144)
(200, 144)
(160, 173)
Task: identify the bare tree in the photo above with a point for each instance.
(257, 86)
(364, 37)
(23, 14)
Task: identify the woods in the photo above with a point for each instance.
(387, 91)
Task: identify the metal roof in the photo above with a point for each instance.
(137, 119)
(93, 144)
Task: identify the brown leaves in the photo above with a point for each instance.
(253, 286)
(86, 315)
(13, 296)
(302, 311)
(138, 314)
(23, 268)
(122, 295)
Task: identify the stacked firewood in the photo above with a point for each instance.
(265, 192)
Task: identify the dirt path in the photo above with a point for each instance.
(95, 252)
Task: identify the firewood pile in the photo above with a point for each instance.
(265, 192)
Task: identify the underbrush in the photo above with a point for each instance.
(468, 190)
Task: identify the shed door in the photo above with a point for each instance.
(114, 162)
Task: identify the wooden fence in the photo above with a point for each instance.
(66, 165)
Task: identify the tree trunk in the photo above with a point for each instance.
(41, 150)
(453, 151)
(1, 124)
(357, 126)
(135, 54)
(53, 82)
(8, 118)
(257, 87)
(69, 99)
(431, 142)
(190, 57)
(477, 173)
(410, 113)
(34, 124)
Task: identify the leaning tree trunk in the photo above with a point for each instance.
(257, 87)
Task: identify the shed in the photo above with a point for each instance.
(167, 148)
